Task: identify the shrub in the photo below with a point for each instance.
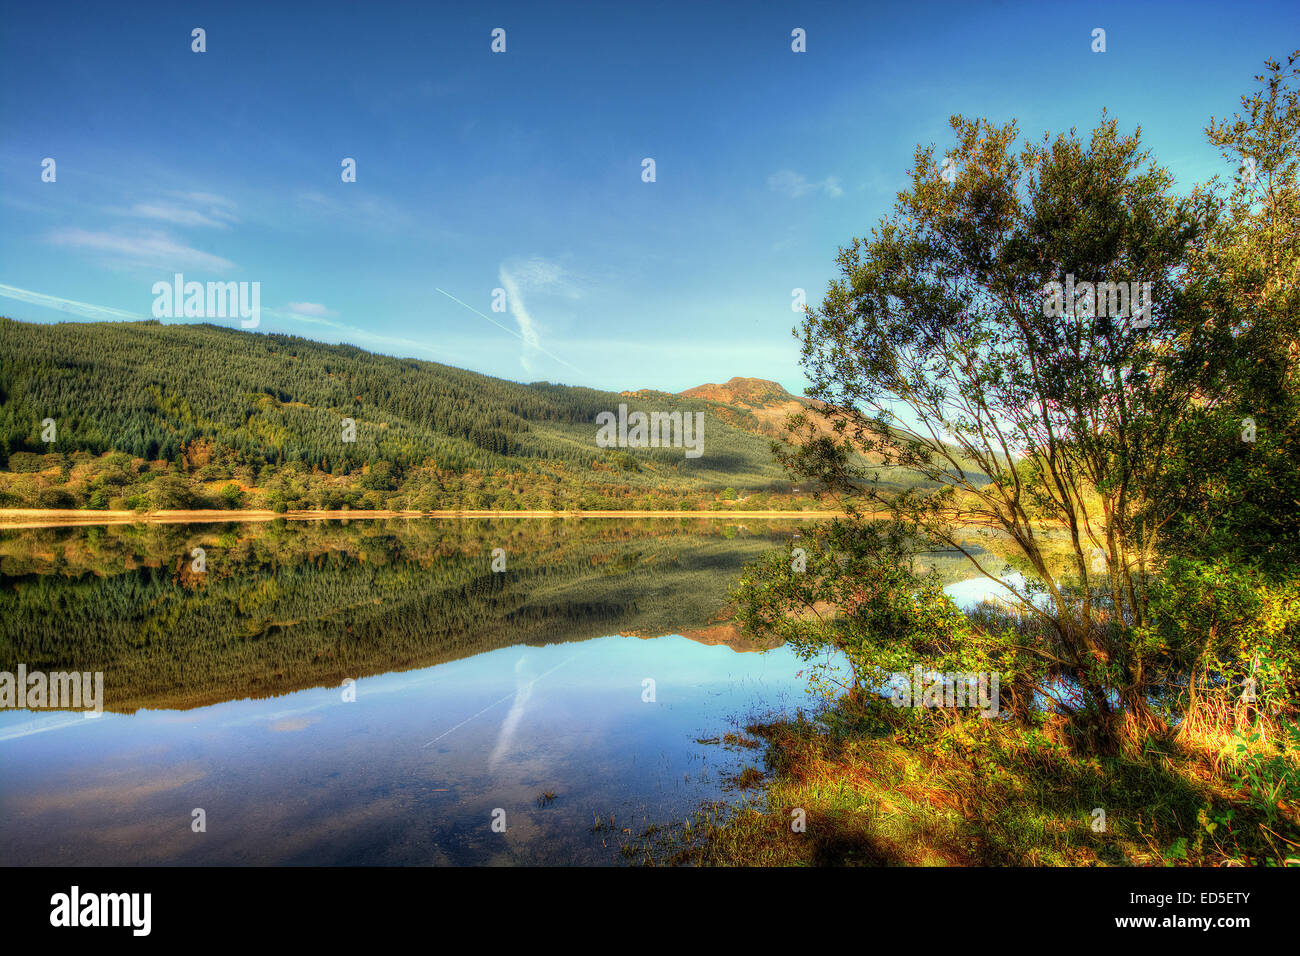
(1228, 637)
(25, 461)
(55, 498)
(232, 495)
(171, 493)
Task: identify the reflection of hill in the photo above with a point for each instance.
(284, 607)
(728, 635)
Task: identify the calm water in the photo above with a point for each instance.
(476, 692)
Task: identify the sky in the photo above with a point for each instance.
(523, 171)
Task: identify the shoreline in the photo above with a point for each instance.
(18, 518)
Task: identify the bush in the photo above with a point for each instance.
(25, 461)
(887, 619)
(171, 493)
(1230, 637)
(55, 498)
(1272, 777)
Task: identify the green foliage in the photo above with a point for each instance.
(1235, 457)
(26, 462)
(1272, 776)
(232, 495)
(171, 492)
(1218, 628)
(852, 589)
(938, 352)
(154, 392)
(55, 498)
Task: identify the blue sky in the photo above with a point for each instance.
(523, 170)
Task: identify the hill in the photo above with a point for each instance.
(762, 407)
(756, 405)
(226, 405)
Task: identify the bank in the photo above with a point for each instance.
(868, 784)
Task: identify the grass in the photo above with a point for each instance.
(747, 779)
(876, 786)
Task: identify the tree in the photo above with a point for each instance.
(171, 493)
(233, 495)
(979, 341)
(1235, 478)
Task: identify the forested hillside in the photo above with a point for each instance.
(150, 390)
(223, 406)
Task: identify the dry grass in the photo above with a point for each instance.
(874, 788)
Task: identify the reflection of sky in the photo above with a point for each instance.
(412, 770)
(967, 594)
(408, 773)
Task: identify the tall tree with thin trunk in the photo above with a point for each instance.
(1011, 336)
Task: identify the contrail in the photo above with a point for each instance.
(506, 328)
(85, 309)
(505, 698)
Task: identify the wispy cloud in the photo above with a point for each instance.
(311, 310)
(207, 199)
(796, 185)
(360, 211)
(510, 726)
(178, 215)
(83, 309)
(527, 328)
(506, 329)
(46, 721)
(190, 209)
(543, 276)
(154, 250)
(534, 276)
(518, 691)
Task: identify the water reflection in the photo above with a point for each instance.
(409, 773)
(474, 692)
(593, 670)
(976, 590)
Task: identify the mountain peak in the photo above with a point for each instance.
(752, 392)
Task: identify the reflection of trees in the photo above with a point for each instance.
(288, 605)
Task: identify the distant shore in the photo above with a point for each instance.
(61, 517)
